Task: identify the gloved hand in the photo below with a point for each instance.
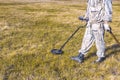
(107, 27)
(83, 19)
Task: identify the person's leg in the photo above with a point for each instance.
(98, 32)
(87, 42)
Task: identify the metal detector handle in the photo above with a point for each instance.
(71, 36)
(114, 37)
(83, 19)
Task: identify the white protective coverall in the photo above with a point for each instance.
(97, 12)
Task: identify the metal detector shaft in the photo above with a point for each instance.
(71, 36)
(114, 37)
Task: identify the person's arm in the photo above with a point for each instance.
(87, 11)
(108, 14)
(108, 11)
(86, 16)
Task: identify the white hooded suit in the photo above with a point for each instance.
(97, 12)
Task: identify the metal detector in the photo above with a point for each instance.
(114, 37)
(59, 51)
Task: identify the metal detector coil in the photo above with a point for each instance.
(56, 51)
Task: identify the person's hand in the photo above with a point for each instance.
(83, 18)
(107, 27)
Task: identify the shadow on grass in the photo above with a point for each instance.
(114, 49)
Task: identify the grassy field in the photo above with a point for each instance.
(28, 31)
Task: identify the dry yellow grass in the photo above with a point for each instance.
(28, 31)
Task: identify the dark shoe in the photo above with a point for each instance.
(101, 59)
(79, 58)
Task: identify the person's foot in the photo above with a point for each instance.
(100, 59)
(79, 58)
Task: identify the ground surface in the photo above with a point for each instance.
(28, 31)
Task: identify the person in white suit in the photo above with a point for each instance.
(99, 14)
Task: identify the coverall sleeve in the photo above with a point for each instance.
(87, 11)
(108, 10)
